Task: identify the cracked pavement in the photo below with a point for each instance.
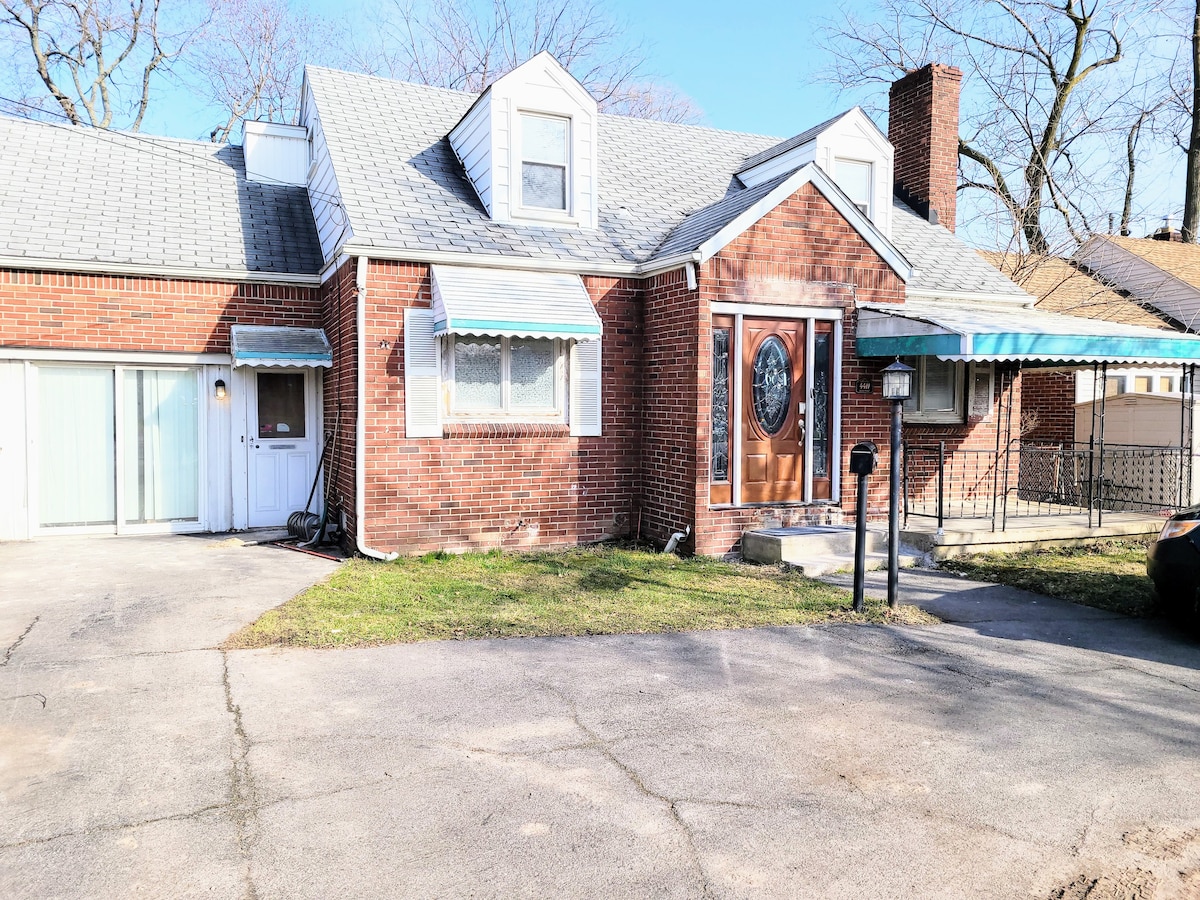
(1028, 748)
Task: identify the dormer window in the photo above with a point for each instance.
(854, 178)
(545, 155)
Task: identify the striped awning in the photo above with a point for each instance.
(278, 346)
(954, 329)
(512, 303)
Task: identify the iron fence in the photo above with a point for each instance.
(1043, 479)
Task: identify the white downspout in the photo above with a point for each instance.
(360, 425)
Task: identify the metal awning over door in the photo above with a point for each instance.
(280, 346)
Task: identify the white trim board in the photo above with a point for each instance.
(114, 357)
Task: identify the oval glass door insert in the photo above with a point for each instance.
(771, 385)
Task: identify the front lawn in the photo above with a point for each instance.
(602, 590)
(1109, 575)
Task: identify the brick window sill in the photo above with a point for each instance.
(505, 429)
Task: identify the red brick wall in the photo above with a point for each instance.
(514, 487)
(975, 454)
(675, 427)
(339, 310)
(113, 312)
(1049, 406)
(923, 127)
(803, 253)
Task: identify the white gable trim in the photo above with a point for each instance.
(810, 174)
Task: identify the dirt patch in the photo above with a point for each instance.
(1128, 884)
(1161, 843)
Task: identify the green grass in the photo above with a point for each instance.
(1109, 575)
(583, 591)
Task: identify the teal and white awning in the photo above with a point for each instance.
(512, 303)
(279, 346)
(998, 332)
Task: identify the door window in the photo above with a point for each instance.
(280, 405)
(771, 385)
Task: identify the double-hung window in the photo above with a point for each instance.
(854, 178)
(495, 378)
(938, 391)
(545, 159)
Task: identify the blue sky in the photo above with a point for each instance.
(749, 66)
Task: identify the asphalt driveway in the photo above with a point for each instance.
(1030, 749)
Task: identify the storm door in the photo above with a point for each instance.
(281, 414)
(773, 410)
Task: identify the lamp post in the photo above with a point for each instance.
(897, 387)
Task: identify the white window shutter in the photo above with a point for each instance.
(585, 389)
(421, 375)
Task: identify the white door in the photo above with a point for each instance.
(282, 444)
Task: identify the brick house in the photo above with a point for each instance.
(488, 320)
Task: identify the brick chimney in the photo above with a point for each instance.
(923, 127)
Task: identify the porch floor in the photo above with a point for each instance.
(963, 536)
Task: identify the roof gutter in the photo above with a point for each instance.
(360, 425)
(135, 270)
(526, 263)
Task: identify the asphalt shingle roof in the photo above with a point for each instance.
(404, 188)
(1174, 258)
(1062, 288)
(83, 195)
(664, 188)
(942, 262)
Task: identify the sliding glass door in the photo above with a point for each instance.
(77, 478)
(118, 446)
(161, 447)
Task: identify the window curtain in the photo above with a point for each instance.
(76, 448)
(161, 446)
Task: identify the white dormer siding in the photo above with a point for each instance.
(489, 143)
(842, 147)
(329, 214)
(275, 153)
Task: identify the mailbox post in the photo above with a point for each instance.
(864, 457)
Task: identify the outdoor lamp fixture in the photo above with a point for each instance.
(219, 389)
(897, 382)
(897, 387)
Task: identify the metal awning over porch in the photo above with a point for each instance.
(280, 346)
(511, 303)
(953, 329)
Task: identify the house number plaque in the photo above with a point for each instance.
(863, 386)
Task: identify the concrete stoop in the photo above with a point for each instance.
(818, 550)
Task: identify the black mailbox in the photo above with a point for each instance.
(864, 457)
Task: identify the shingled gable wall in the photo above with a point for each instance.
(488, 486)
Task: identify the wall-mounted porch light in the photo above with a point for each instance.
(219, 389)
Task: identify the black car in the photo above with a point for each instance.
(1173, 564)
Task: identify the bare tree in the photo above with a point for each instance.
(468, 44)
(1191, 200)
(250, 60)
(1033, 128)
(96, 59)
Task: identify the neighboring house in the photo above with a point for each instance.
(1051, 395)
(514, 321)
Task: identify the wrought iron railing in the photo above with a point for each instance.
(1043, 479)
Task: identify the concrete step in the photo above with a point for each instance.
(820, 550)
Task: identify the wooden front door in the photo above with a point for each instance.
(773, 411)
